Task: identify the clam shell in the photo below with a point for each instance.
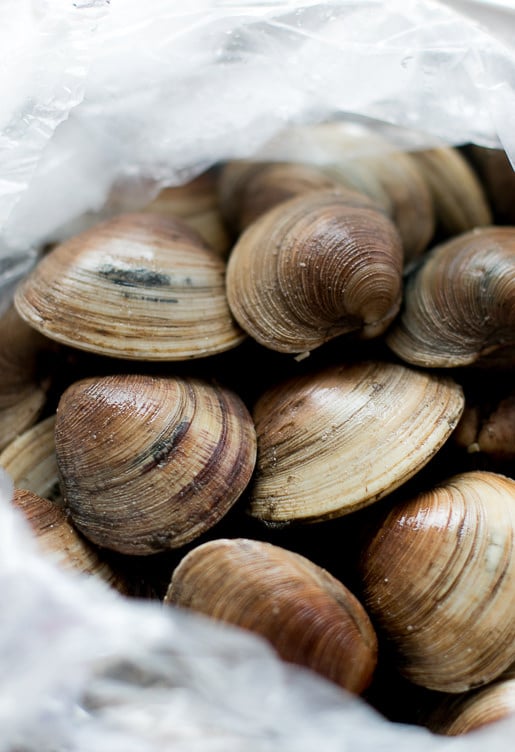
(438, 579)
(138, 286)
(31, 462)
(475, 710)
(309, 617)
(150, 463)
(60, 541)
(314, 268)
(196, 203)
(341, 438)
(458, 196)
(249, 189)
(459, 306)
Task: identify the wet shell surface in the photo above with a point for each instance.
(341, 438)
(309, 617)
(150, 463)
(314, 268)
(138, 286)
(459, 306)
(60, 541)
(439, 582)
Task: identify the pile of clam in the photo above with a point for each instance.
(281, 396)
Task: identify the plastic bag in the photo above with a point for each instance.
(84, 669)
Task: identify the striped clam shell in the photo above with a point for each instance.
(149, 463)
(459, 306)
(438, 579)
(308, 616)
(138, 286)
(340, 438)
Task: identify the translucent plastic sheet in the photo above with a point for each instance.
(95, 94)
(83, 669)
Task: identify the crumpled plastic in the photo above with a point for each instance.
(98, 94)
(83, 669)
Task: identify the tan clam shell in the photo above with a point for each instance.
(490, 428)
(459, 198)
(438, 579)
(138, 286)
(249, 189)
(314, 268)
(309, 617)
(341, 438)
(475, 710)
(149, 463)
(366, 162)
(23, 387)
(31, 462)
(60, 541)
(459, 306)
(196, 203)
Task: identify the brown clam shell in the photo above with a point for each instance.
(459, 306)
(309, 617)
(341, 438)
(150, 463)
(31, 462)
(314, 268)
(60, 541)
(138, 286)
(439, 582)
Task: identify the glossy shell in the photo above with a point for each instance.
(459, 305)
(309, 617)
(339, 439)
(439, 582)
(138, 286)
(314, 268)
(150, 463)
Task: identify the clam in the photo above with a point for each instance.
(31, 462)
(459, 198)
(59, 541)
(498, 180)
(314, 268)
(364, 161)
(309, 617)
(138, 286)
(459, 306)
(438, 576)
(196, 203)
(24, 383)
(338, 439)
(149, 463)
(249, 189)
(473, 710)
